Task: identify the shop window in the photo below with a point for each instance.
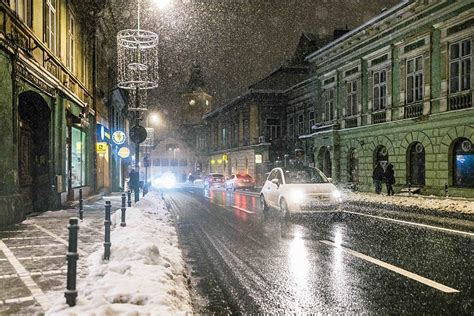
(78, 158)
(463, 163)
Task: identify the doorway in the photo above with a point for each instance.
(33, 155)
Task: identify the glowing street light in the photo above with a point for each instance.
(163, 4)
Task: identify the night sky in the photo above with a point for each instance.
(237, 42)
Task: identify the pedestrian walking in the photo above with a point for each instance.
(377, 177)
(389, 178)
(134, 182)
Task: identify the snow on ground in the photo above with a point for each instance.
(464, 206)
(145, 274)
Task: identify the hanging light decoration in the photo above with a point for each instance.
(137, 52)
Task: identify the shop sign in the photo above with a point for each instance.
(101, 148)
(119, 137)
(258, 158)
(103, 133)
(124, 152)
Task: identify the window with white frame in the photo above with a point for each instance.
(380, 89)
(351, 97)
(414, 69)
(85, 56)
(50, 24)
(460, 55)
(24, 10)
(312, 120)
(273, 129)
(329, 97)
(71, 43)
(300, 124)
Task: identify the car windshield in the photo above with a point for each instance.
(306, 175)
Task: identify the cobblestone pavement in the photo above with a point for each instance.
(33, 256)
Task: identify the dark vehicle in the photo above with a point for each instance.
(214, 180)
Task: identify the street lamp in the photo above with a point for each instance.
(163, 4)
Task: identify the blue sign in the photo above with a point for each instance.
(103, 133)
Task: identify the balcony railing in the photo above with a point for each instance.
(461, 101)
(413, 110)
(379, 117)
(350, 122)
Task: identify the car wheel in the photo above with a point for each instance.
(264, 205)
(285, 212)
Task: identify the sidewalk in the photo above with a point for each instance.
(144, 274)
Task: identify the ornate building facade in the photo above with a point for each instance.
(49, 104)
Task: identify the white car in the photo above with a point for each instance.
(303, 189)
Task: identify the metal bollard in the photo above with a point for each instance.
(71, 293)
(409, 188)
(446, 190)
(137, 195)
(122, 223)
(129, 196)
(81, 205)
(107, 223)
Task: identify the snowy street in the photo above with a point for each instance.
(369, 260)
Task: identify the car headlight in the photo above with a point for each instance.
(297, 196)
(336, 194)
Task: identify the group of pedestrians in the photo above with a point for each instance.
(384, 173)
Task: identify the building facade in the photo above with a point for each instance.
(47, 105)
(399, 89)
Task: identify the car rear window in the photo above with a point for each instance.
(244, 176)
(218, 176)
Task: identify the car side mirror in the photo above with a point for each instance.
(275, 181)
(330, 179)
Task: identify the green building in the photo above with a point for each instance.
(398, 89)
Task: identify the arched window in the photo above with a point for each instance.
(380, 154)
(463, 163)
(416, 164)
(325, 162)
(353, 166)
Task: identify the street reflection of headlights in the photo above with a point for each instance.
(298, 196)
(336, 194)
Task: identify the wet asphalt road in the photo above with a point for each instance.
(242, 262)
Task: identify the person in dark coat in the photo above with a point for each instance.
(377, 176)
(389, 178)
(134, 182)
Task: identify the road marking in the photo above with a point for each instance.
(393, 268)
(242, 209)
(61, 240)
(17, 300)
(36, 292)
(412, 223)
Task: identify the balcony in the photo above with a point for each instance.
(460, 101)
(413, 110)
(350, 121)
(379, 117)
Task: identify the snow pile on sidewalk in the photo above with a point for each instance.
(145, 274)
(422, 202)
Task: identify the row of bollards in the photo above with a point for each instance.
(72, 255)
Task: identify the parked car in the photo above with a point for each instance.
(214, 180)
(239, 181)
(302, 189)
